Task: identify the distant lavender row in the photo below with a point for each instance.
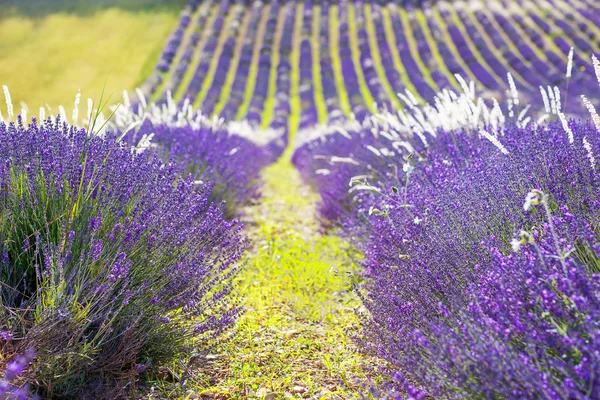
(479, 42)
(238, 88)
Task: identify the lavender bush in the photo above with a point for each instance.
(110, 258)
(480, 234)
(453, 310)
(230, 163)
(229, 156)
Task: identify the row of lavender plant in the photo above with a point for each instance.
(170, 50)
(330, 91)
(261, 84)
(367, 64)
(199, 73)
(481, 246)
(546, 68)
(350, 77)
(116, 259)
(238, 88)
(283, 85)
(393, 76)
(308, 106)
(188, 52)
(224, 62)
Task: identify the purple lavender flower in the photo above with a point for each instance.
(120, 235)
(452, 308)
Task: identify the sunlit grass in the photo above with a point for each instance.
(46, 60)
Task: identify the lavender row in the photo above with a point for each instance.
(465, 283)
(366, 60)
(306, 89)
(357, 102)
(422, 87)
(393, 76)
(195, 85)
(330, 92)
(470, 37)
(136, 254)
(184, 63)
(167, 56)
(238, 89)
(261, 84)
(282, 105)
(223, 64)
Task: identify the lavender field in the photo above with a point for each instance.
(368, 199)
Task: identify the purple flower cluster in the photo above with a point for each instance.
(13, 370)
(123, 257)
(231, 164)
(476, 286)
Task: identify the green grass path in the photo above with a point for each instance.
(294, 339)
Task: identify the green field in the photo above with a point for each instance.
(51, 49)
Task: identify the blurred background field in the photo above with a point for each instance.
(51, 49)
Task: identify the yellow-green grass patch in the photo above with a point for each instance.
(295, 338)
(47, 59)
